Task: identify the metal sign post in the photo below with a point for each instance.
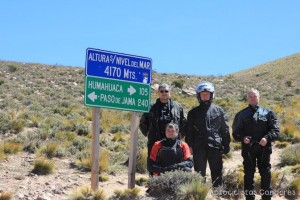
(95, 149)
(133, 149)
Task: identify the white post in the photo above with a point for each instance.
(95, 149)
(133, 149)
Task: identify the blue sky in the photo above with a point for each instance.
(186, 37)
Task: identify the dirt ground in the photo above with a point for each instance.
(15, 177)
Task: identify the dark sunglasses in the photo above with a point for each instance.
(164, 91)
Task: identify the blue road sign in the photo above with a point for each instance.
(113, 65)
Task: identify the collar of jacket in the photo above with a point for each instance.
(254, 108)
(170, 102)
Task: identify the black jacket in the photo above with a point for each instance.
(149, 122)
(256, 122)
(169, 155)
(212, 131)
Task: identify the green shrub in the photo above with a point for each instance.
(296, 169)
(65, 136)
(281, 145)
(234, 182)
(103, 177)
(293, 189)
(16, 125)
(195, 190)
(178, 83)
(288, 83)
(11, 147)
(43, 166)
(50, 150)
(119, 128)
(82, 128)
(141, 181)
(32, 145)
(2, 154)
(141, 162)
(85, 163)
(35, 121)
(127, 194)
(168, 183)
(86, 193)
(4, 122)
(13, 68)
(275, 178)
(81, 143)
(290, 156)
(118, 137)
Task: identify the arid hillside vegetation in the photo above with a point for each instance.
(42, 113)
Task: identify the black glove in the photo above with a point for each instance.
(186, 169)
(226, 149)
(170, 168)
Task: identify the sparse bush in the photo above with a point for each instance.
(118, 137)
(81, 143)
(1, 81)
(16, 125)
(50, 150)
(85, 163)
(13, 68)
(281, 145)
(141, 181)
(118, 128)
(103, 177)
(103, 160)
(118, 147)
(127, 194)
(234, 182)
(290, 156)
(195, 190)
(35, 121)
(65, 136)
(6, 195)
(82, 128)
(293, 189)
(32, 146)
(296, 169)
(43, 166)
(168, 183)
(290, 133)
(4, 122)
(178, 83)
(11, 147)
(288, 83)
(2, 154)
(86, 193)
(275, 177)
(141, 162)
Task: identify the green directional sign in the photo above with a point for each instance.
(117, 94)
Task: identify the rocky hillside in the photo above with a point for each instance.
(42, 117)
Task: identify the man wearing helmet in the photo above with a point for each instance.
(256, 128)
(208, 133)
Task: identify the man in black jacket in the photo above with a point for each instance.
(170, 153)
(256, 127)
(164, 111)
(208, 133)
